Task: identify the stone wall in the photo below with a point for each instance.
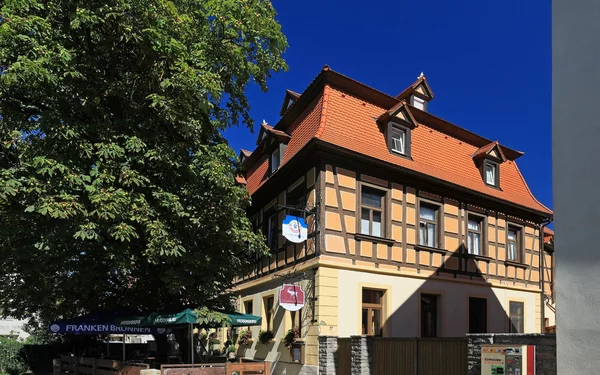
(545, 349)
(328, 346)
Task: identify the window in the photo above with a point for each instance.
(268, 303)
(474, 235)
(477, 315)
(275, 159)
(372, 312)
(418, 103)
(429, 315)
(516, 317)
(398, 140)
(512, 244)
(272, 231)
(248, 307)
(428, 225)
(297, 320)
(490, 173)
(371, 214)
(295, 198)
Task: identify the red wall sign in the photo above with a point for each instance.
(291, 297)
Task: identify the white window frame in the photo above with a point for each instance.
(495, 168)
(418, 103)
(275, 156)
(395, 131)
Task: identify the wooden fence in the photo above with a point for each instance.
(410, 356)
(245, 368)
(68, 365)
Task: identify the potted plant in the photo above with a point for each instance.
(214, 343)
(291, 336)
(265, 337)
(245, 338)
(231, 352)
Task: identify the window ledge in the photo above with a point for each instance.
(366, 237)
(480, 257)
(431, 249)
(515, 264)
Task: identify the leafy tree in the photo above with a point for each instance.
(116, 186)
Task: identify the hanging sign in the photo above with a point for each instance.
(291, 297)
(294, 229)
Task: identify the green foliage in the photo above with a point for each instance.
(206, 316)
(11, 358)
(231, 349)
(264, 337)
(291, 336)
(116, 185)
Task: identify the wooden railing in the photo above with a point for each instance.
(245, 368)
(68, 365)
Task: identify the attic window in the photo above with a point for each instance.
(419, 103)
(398, 139)
(490, 173)
(275, 160)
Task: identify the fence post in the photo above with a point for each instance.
(328, 354)
(361, 355)
(76, 365)
(57, 366)
(267, 368)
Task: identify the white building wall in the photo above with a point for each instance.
(11, 326)
(402, 304)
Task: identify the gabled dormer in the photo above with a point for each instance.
(274, 143)
(418, 94)
(290, 98)
(244, 155)
(488, 158)
(397, 124)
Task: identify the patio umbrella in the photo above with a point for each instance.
(189, 317)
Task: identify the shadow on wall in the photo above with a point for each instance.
(444, 305)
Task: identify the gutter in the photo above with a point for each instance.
(542, 266)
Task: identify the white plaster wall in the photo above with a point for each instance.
(13, 327)
(403, 309)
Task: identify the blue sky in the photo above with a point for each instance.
(488, 63)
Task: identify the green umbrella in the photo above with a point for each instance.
(211, 319)
(186, 316)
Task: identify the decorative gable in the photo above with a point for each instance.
(289, 99)
(488, 158)
(397, 124)
(418, 94)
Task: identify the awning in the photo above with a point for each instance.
(189, 316)
(101, 322)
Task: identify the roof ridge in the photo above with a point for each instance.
(324, 106)
(529, 190)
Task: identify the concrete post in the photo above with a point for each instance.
(575, 136)
(328, 347)
(362, 355)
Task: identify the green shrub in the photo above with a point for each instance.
(11, 359)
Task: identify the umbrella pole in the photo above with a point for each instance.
(108, 347)
(124, 335)
(192, 342)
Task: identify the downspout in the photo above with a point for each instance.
(542, 266)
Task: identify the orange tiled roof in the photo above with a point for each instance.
(346, 120)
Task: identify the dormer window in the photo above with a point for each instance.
(275, 160)
(419, 103)
(398, 139)
(491, 173)
(488, 159)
